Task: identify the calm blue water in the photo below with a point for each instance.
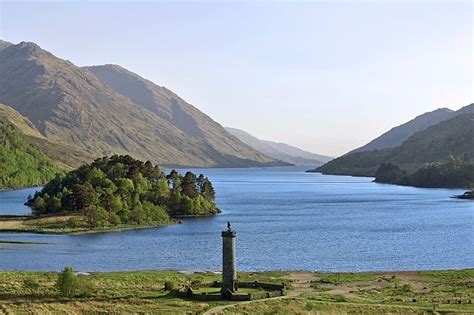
(12, 201)
(285, 219)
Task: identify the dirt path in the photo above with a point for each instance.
(219, 309)
(301, 282)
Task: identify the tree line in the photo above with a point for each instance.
(122, 190)
(456, 172)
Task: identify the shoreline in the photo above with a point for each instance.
(269, 271)
(33, 224)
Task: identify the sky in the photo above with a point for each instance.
(326, 76)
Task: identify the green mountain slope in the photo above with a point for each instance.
(66, 156)
(280, 151)
(22, 163)
(434, 144)
(70, 105)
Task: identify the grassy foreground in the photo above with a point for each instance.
(309, 293)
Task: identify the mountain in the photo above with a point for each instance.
(23, 163)
(171, 108)
(4, 44)
(65, 156)
(87, 110)
(280, 151)
(454, 136)
(398, 135)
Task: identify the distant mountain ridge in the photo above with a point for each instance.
(280, 151)
(399, 134)
(108, 110)
(436, 143)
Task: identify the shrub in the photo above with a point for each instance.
(69, 284)
(72, 222)
(169, 285)
(30, 283)
(406, 288)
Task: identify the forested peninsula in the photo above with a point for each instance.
(118, 192)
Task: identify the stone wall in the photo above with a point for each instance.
(271, 290)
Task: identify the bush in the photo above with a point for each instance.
(30, 283)
(72, 222)
(69, 284)
(169, 285)
(406, 288)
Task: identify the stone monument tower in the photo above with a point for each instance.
(229, 267)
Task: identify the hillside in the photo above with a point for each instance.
(280, 151)
(71, 105)
(399, 134)
(434, 144)
(65, 156)
(22, 164)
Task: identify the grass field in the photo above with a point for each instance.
(309, 293)
(57, 224)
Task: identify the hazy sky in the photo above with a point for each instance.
(325, 76)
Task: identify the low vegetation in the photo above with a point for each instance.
(70, 285)
(151, 292)
(22, 163)
(119, 190)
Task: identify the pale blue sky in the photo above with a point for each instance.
(325, 76)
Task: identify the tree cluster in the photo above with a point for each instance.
(122, 190)
(22, 163)
(456, 172)
(389, 173)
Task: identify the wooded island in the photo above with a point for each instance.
(120, 191)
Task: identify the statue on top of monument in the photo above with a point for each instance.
(228, 226)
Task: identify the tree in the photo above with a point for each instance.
(67, 282)
(189, 185)
(208, 190)
(200, 182)
(174, 180)
(83, 196)
(389, 173)
(39, 205)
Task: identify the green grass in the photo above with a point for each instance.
(449, 274)
(57, 224)
(143, 291)
(341, 278)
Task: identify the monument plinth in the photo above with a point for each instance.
(229, 266)
(228, 287)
